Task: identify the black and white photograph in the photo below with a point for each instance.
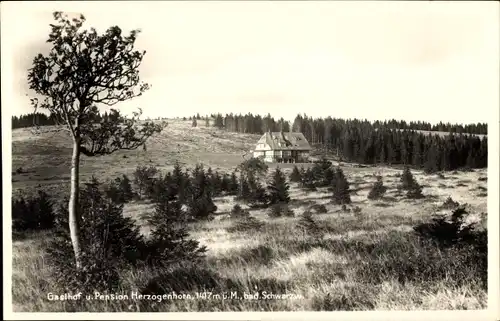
(292, 159)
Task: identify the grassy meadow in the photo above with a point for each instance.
(368, 259)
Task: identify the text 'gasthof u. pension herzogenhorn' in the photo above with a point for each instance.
(134, 295)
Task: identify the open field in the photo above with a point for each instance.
(367, 259)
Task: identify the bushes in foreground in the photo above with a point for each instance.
(35, 213)
(109, 243)
(112, 243)
(238, 212)
(279, 210)
(120, 190)
(452, 230)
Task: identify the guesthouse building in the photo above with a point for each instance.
(283, 147)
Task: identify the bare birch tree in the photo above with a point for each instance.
(82, 71)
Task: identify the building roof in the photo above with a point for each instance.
(284, 141)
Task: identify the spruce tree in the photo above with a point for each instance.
(126, 188)
(209, 177)
(257, 191)
(378, 189)
(179, 182)
(144, 179)
(323, 173)
(216, 182)
(36, 213)
(243, 188)
(225, 182)
(233, 184)
(408, 183)
(340, 188)
(407, 179)
(415, 191)
(308, 180)
(199, 200)
(278, 188)
(169, 242)
(120, 190)
(295, 175)
(309, 227)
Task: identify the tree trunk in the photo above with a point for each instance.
(74, 218)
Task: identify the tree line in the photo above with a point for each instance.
(374, 143)
(33, 119)
(363, 142)
(478, 128)
(257, 124)
(41, 119)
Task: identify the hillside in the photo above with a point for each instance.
(45, 156)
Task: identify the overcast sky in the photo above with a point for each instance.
(426, 61)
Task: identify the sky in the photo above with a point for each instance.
(429, 61)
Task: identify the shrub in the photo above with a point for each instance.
(244, 224)
(279, 210)
(238, 212)
(378, 190)
(409, 258)
(482, 179)
(454, 232)
(344, 208)
(318, 209)
(356, 210)
(449, 203)
(109, 241)
(36, 213)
